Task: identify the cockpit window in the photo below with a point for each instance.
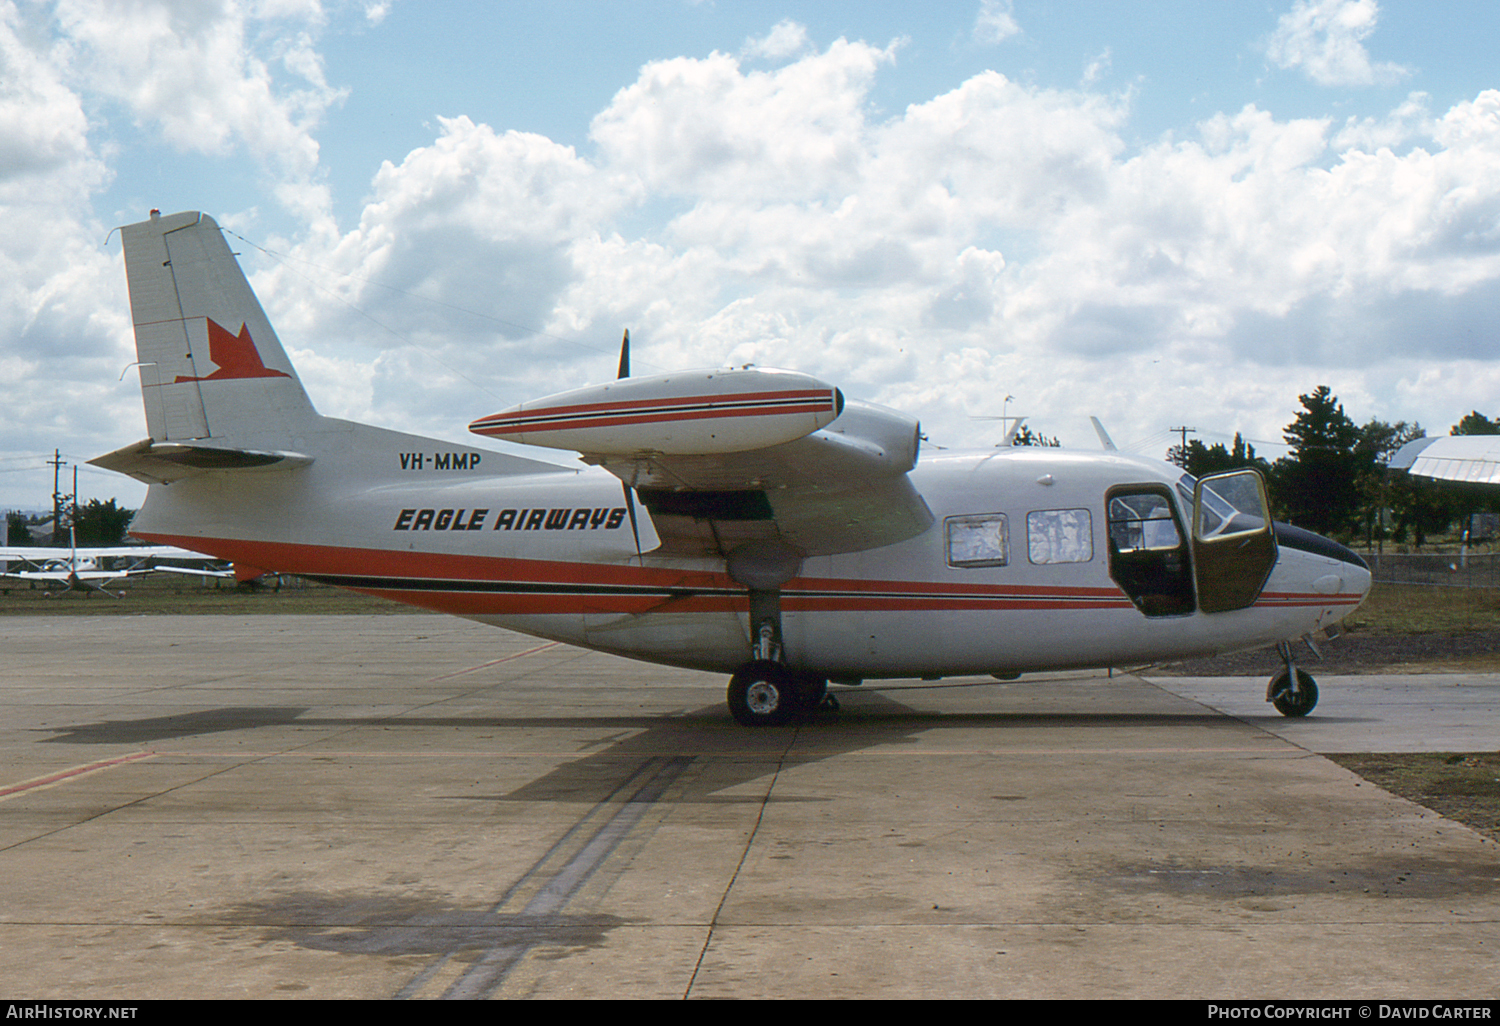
(1232, 505)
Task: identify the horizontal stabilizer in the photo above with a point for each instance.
(165, 462)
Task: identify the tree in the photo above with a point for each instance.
(101, 523)
(1476, 423)
(1317, 486)
(1378, 442)
(1201, 460)
(1026, 436)
(19, 532)
(1422, 507)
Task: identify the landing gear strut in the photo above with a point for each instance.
(1292, 691)
(765, 691)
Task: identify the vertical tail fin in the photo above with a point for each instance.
(211, 365)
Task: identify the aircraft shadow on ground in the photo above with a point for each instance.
(724, 755)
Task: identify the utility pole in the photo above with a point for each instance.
(1184, 432)
(57, 463)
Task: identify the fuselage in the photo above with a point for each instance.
(1028, 564)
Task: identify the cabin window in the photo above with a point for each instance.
(976, 540)
(1059, 536)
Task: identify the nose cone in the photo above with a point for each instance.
(1339, 571)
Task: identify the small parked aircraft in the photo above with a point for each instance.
(744, 520)
(83, 569)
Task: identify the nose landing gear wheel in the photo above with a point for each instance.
(1294, 703)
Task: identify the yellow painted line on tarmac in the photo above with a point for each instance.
(73, 773)
(497, 662)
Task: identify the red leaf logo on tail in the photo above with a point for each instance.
(235, 356)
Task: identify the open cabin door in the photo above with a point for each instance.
(1148, 549)
(1234, 544)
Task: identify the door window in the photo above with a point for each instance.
(1234, 549)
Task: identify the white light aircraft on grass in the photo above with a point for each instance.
(748, 521)
(84, 569)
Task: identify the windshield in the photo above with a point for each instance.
(1230, 505)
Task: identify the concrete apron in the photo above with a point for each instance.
(422, 807)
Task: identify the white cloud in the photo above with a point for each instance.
(995, 22)
(1096, 69)
(472, 240)
(705, 127)
(43, 129)
(786, 38)
(213, 78)
(999, 238)
(1325, 38)
(1399, 126)
(210, 79)
(62, 306)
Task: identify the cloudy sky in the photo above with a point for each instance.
(1160, 214)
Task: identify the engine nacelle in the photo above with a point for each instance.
(698, 413)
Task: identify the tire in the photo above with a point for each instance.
(763, 694)
(811, 691)
(1299, 704)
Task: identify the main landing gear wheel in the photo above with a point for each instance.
(814, 693)
(1294, 703)
(763, 693)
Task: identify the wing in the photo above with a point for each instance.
(33, 553)
(134, 551)
(227, 575)
(1471, 458)
(721, 458)
(36, 575)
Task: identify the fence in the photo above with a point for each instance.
(1442, 569)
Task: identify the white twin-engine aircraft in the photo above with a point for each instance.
(750, 521)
